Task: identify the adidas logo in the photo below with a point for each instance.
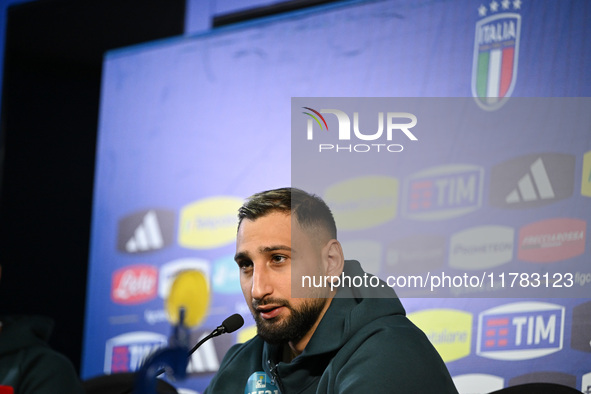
(145, 231)
(536, 179)
(147, 236)
(532, 180)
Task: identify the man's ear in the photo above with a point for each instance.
(334, 258)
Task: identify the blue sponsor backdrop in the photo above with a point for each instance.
(191, 126)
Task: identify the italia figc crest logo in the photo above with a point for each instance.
(496, 53)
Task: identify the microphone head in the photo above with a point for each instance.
(233, 323)
(189, 290)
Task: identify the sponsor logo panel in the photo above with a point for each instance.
(225, 278)
(168, 273)
(586, 176)
(127, 352)
(478, 383)
(416, 254)
(581, 328)
(450, 331)
(481, 247)
(363, 202)
(146, 231)
(134, 284)
(545, 377)
(170, 270)
(209, 223)
(520, 331)
(443, 192)
(552, 240)
(532, 181)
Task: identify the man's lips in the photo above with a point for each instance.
(269, 311)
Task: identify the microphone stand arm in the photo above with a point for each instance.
(218, 331)
(172, 358)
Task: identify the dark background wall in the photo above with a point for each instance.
(50, 100)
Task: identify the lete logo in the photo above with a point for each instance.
(134, 284)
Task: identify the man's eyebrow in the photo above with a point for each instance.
(267, 249)
(241, 256)
(263, 249)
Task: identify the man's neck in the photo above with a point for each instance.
(288, 353)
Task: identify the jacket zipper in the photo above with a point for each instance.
(274, 375)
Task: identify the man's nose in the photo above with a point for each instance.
(261, 283)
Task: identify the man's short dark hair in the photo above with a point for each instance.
(309, 210)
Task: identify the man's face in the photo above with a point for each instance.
(265, 253)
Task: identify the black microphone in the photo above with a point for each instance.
(231, 324)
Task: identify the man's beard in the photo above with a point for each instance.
(293, 327)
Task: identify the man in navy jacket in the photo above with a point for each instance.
(318, 339)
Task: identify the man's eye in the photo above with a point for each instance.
(279, 258)
(244, 265)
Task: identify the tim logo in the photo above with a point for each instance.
(496, 53)
(390, 124)
(552, 240)
(443, 192)
(134, 284)
(146, 231)
(532, 181)
(520, 331)
(127, 352)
